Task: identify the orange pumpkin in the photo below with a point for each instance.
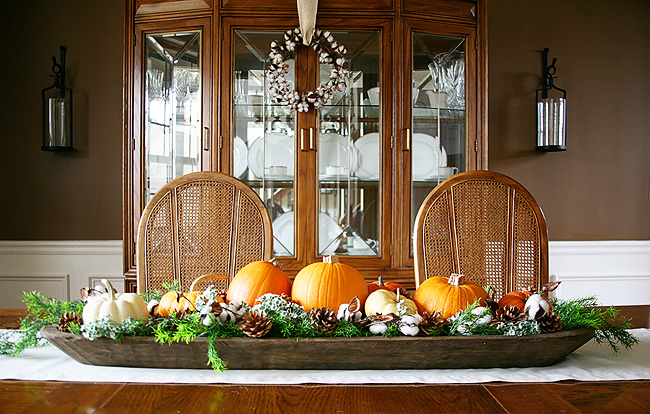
(380, 284)
(174, 302)
(328, 284)
(256, 279)
(515, 298)
(448, 295)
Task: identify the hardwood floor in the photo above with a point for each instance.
(629, 397)
(44, 397)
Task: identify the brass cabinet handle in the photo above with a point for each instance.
(206, 138)
(312, 145)
(302, 140)
(407, 145)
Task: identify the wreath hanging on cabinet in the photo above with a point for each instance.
(329, 51)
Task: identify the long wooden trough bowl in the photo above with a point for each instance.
(328, 353)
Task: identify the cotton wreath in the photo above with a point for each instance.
(328, 50)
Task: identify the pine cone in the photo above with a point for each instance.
(222, 294)
(431, 321)
(550, 322)
(67, 318)
(324, 319)
(255, 324)
(288, 298)
(509, 313)
(374, 319)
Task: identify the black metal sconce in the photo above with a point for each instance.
(57, 110)
(551, 111)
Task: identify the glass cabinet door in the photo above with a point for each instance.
(263, 153)
(318, 172)
(172, 107)
(440, 107)
(437, 138)
(349, 153)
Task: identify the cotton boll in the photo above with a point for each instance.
(485, 319)
(378, 328)
(410, 330)
(536, 306)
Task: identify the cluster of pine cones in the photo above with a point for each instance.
(550, 322)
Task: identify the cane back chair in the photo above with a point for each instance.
(486, 226)
(201, 223)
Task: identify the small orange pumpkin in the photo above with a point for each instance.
(328, 284)
(380, 284)
(448, 295)
(256, 279)
(174, 302)
(515, 298)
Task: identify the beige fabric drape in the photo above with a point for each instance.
(307, 16)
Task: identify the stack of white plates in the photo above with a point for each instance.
(369, 152)
(283, 232)
(276, 150)
(240, 158)
(338, 154)
(427, 156)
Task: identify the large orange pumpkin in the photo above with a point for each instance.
(256, 279)
(174, 302)
(328, 284)
(448, 295)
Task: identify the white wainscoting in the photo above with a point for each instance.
(56, 268)
(618, 272)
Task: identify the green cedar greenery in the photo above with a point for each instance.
(42, 311)
(156, 294)
(585, 313)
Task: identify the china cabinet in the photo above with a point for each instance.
(346, 178)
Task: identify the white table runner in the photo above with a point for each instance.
(591, 362)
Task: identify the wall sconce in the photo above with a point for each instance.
(551, 111)
(57, 110)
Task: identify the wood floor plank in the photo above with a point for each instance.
(530, 398)
(589, 397)
(630, 401)
(357, 399)
(18, 397)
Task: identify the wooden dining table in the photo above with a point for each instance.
(627, 397)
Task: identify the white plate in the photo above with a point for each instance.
(361, 251)
(427, 155)
(334, 151)
(336, 177)
(278, 152)
(283, 231)
(367, 146)
(239, 158)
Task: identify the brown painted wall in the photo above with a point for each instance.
(597, 190)
(57, 196)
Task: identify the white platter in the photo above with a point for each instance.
(368, 167)
(334, 151)
(239, 158)
(278, 152)
(283, 231)
(427, 156)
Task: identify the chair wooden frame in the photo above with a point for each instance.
(457, 219)
(201, 223)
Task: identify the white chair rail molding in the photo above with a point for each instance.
(617, 272)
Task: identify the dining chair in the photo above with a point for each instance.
(203, 223)
(486, 226)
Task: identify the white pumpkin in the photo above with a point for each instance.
(118, 307)
(383, 302)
